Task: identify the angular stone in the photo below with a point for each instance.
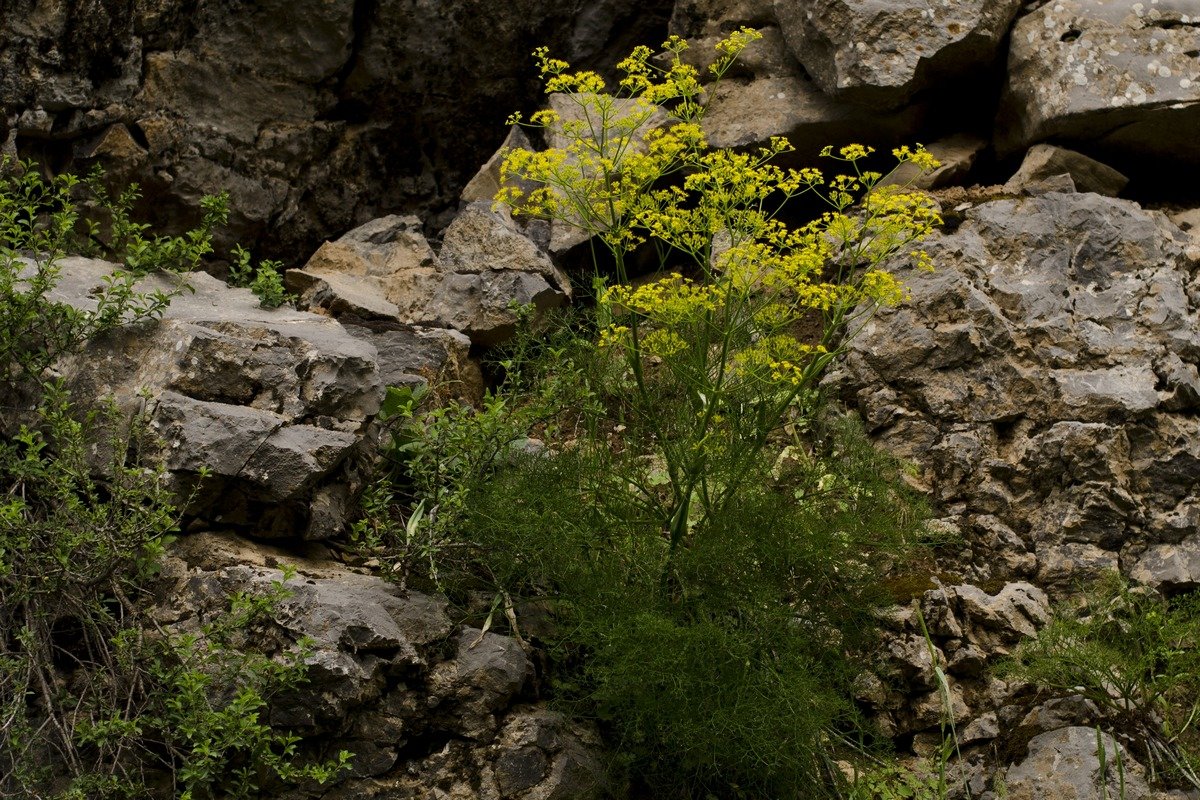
(368, 270)
(295, 457)
(385, 270)
(481, 240)
(1170, 567)
(1045, 161)
(486, 183)
(414, 356)
(485, 674)
(1065, 764)
(1125, 390)
(882, 52)
(1107, 75)
(957, 154)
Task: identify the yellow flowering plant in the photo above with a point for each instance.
(633, 167)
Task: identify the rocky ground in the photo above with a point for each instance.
(1044, 378)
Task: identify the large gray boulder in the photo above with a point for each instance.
(1106, 75)
(882, 52)
(269, 404)
(1044, 379)
(256, 414)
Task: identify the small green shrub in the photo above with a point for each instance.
(1134, 653)
(113, 233)
(265, 280)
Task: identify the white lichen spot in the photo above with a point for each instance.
(1117, 101)
(1164, 71)
(1185, 83)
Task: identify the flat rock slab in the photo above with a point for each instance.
(1105, 74)
(1065, 764)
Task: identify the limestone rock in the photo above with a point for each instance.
(386, 270)
(956, 153)
(369, 271)
(1107, 75)
(270, 402)
(1065, 764)
(415, 356)
(1170, 567)
(992, 621)
(483, 187)
(882, 52)
(485, 674)
(1040, 377)
(1044, 161)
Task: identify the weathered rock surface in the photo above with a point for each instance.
(1066, 764)
(957, 155)
(427, 711)
(1044, 377)
(768, 93)
(745, 115)
(386, 270)
(964, 630)
(882, 52)
(353, 110)
(1112, 76)
(273, 404)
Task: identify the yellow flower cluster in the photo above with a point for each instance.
(671, 301)
(780, 358)
(920, 157)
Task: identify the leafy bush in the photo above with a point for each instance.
(732, 671)
(1135, 654)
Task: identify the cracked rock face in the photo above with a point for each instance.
(274, 404)
(427, 709)
(882, 52)
(386, 270)
(1044, 378)
(315, 115)
(1121, 77)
